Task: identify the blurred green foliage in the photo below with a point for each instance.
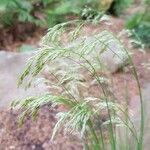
(40, 12)
(12, 11)
(51, 12)
(57, 12)
(139, 24)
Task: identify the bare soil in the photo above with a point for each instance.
(33, 135)
(12, 38)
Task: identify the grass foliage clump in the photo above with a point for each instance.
(93, 118)
(139, 24)
(13, 11)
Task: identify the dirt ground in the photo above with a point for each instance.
(13, 37)
(33, 135)
(36, 135)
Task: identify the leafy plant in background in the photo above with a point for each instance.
(39, 12)
(70, 7)
(60, 9)
(139, 24)
(51, 12)
(84, 114)
(16, 10)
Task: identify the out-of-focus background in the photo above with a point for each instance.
(22, 25)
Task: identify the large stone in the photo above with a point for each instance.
(11, 66)
(111, 53)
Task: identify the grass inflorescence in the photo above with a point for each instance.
(85, 113)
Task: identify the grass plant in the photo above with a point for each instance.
(94, 119)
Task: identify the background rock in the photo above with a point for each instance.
(111, 52)
(11, 66)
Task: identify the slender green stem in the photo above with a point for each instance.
(113, 142)
(140, 143)
(96, 141)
